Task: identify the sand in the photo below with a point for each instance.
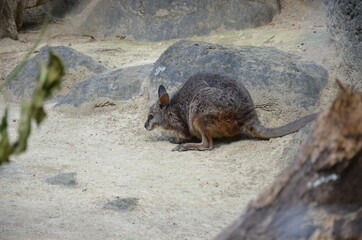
(179, 195)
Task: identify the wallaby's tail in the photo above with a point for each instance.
(257, 130)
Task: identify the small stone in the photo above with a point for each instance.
(63, 179)
(122, 204)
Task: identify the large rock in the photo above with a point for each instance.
(344, 23)
(64, 8)
(78, 67)
(155, 20)
(120, 84)
(277, 81)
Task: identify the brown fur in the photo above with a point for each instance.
(211, 106)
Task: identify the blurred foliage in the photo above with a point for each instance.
(48, 80)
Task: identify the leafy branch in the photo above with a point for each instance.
(48, 80)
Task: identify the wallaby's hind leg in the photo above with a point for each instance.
(206, 142)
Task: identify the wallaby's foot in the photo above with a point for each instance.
(192, 146)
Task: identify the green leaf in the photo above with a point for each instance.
(24, 129)
(37, 100)
(5, 149)
(55, 73)
(39, 115)
(48, 80)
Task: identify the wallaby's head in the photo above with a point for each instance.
(155, 115)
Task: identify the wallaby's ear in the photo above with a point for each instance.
(161, 91)
(163, 97)
(163, 100)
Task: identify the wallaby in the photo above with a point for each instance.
(212, 106)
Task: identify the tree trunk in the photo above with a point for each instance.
(11, 15)
(320, 195)
(7, 19)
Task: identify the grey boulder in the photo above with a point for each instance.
(276, 80)
(119, 84)
(344, 23)
(155, 20)
(75, 62)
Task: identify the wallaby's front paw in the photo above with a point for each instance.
(175, 141)
(180, 148)
(190, 146)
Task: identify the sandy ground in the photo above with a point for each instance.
(188, 195)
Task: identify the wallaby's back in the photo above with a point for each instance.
(234, 97)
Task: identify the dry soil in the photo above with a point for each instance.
(187, 195)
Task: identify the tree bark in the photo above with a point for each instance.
(320, 195)
(11, 15)
(7, 20)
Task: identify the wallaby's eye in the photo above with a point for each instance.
(150, 117)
